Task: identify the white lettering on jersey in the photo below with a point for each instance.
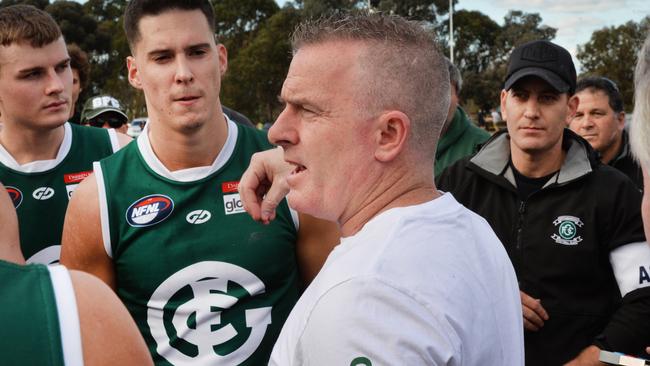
(49, 255)
(209, 284)
(198, 217)
(43, 193)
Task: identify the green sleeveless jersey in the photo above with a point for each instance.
(40, 324)
(205, 283)
(40, 190)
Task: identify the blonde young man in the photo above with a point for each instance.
(366, 97)
(162, 222)
(42, 158)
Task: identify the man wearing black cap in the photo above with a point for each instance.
(571, 225)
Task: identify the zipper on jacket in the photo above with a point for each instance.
(520, 222)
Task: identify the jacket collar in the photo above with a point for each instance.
(624, 152)
(494, 158)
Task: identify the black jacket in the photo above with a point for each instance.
(559, 240)
(624, 161)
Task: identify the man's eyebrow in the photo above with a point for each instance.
(30, 70)
(42, 68)
(158, 51)
(198, 46)
(64, 61)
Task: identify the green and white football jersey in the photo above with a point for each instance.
(40, 323)
(205, 284)
(40, 190)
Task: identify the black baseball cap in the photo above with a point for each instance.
(543, 59)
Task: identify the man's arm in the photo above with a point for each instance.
(316, 239)
(9, 239)
(109, 335)
(82, 246)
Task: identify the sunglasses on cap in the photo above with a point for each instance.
(113, 121)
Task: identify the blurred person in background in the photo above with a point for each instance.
(104, 111)
(640, 132)
(459, 136)
(600, 119)
(80, 74)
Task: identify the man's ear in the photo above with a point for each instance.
(223, 58)
(503, 97)
(620, 117)
(572, 107)
(392, 130)
(134, 76)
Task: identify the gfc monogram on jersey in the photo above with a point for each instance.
(191, 304)
(149, 210)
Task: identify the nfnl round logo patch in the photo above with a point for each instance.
(149, 210)
(16, 195)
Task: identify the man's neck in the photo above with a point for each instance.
(537, 165)
(611, 152)
(179, 150)
(28, 145)
(399, 188)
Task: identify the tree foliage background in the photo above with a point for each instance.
(612, 52)
(256, 34)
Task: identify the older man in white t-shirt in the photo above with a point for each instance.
(417, 278)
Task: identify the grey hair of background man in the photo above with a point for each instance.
(455, 77)
(640, 127)
(402, 68)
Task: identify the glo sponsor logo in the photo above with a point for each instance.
(149, 210)
(232, 204)
(16, 195)
(198, 217)
(43, 193)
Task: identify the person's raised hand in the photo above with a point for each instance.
(263, 185)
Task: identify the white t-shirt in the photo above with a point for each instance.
(421, 285)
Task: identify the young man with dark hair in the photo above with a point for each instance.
(161, 222)
(600, 119)
(42, 158)
(571, 225)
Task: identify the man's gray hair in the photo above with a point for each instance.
(640, 128)
(403, 69)
(455, 78)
